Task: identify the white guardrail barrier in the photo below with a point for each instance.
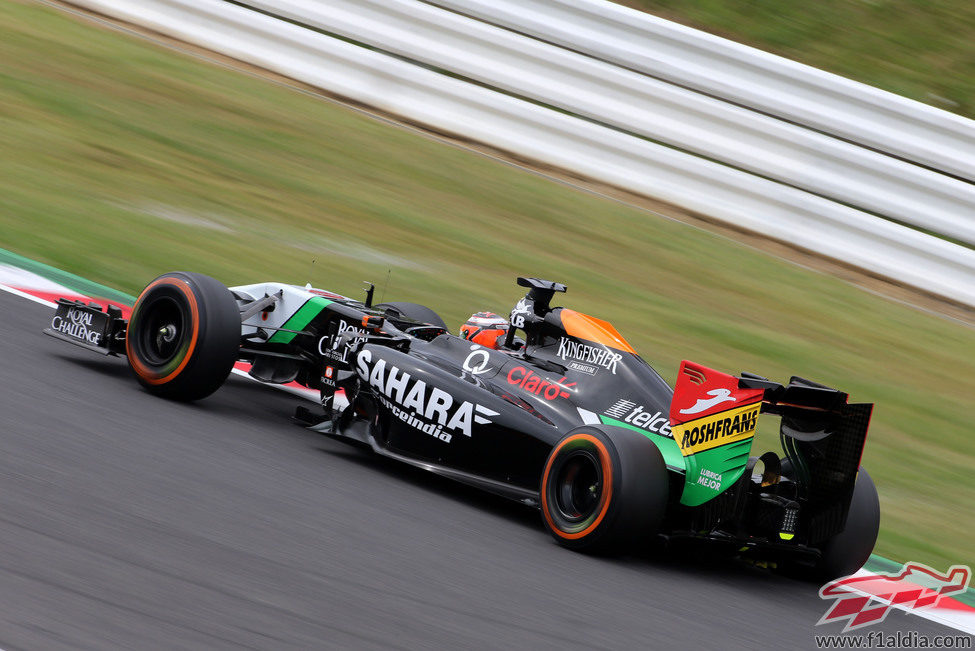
(741, 74)
(635, 103)
(609, 142)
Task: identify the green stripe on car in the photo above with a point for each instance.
(669, 449)
(312, 308)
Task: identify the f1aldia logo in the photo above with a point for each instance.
(865, 600)
(428, 409)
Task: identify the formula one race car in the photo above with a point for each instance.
(561, 414)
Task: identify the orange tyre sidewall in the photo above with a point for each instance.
(146, 373)
(605, 499)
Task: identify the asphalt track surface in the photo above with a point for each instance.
(129, 522)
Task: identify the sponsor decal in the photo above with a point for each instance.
(710, 479)
(864, 600)
(477, 362)
(586, 354)
(634, 414)
(538, 385)
(426, 408)
(701, 391)
(328, 377)
(331, 346)
(410, 418)
(620, 409)
(703, 404)
(583, 368)
(79, 324)
(717, 429)
(522, 311)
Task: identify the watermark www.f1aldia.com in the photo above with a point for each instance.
(861, 601)
(896, 640)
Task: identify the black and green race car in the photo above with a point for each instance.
(563, 414)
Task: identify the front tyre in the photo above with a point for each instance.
(183, 336)
(603, 490)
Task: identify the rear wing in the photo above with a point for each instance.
(713, 418)
(823, 437)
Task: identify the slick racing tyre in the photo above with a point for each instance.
(603, 490)
(847, 551)
(414, 311)
(183, 336)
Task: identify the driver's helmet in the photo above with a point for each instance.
(485, 328)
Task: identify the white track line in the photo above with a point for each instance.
(17, 292)
(306, 394)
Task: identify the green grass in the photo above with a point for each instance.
(120, 160)
(921, 49)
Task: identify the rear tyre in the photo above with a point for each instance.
(847, 551)
(603, 490)
(414, 311)
(183, 336)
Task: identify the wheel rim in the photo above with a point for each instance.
(578, 486)
(161, 338)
